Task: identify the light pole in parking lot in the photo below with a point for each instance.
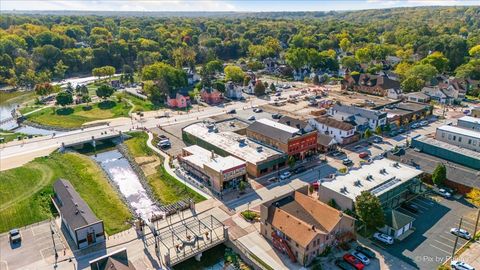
(456, 238)
(476, 225)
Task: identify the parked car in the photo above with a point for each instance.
(337, 154)
(232, 111)
(363, 155)
(458, 265)
(415, 125)
(461, 233)
(349, 258)
(401, 130)
(444, 193)
(285, 175)
(164, 144)
(162, 137)
(251, 118)
(300, 169)
(362, 257)
(424, 123)
(277, 94)
(387, 239)
(276, 116)
(347, 161)
(358, 147)
(377, 139)
(366, 251)
(410, 207)
(393, 133)
(257, 110)
(344, 265)
(15, 236)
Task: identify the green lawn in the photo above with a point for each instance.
(166, 188)
(75, 116)
(137, 145)
(25, 191)
(16, 96)
(10, 136)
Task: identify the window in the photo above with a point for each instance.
(443, 134)
(460, 139)
(449, 136)
(454, 137)
(474, 142)
(469, 141)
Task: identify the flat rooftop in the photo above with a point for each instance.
(201, 156)
(378, 182)
(278, 125)
(233, 143)
(470, 119)
(459, 130)
(450, 147)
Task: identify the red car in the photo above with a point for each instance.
(353, 261)
(363, 155)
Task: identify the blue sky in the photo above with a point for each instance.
(220, 5)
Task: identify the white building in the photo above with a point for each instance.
(233, 90)
(469, 122)
(341, 131)
(361, 117)
(84, 228)
(462, 137)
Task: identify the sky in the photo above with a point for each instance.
(221, 5)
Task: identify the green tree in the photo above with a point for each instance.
(64, 98)
(259, 88)
(214, 66)
(272, 87)
(105, 91)
(436, 59)
(369, 209)
(439, 174)
(349, 62)
(412, 84)
(234, 74)
(378, 130)
(475, 51)
(316, 80)
(291, 161)
(44, 89)
(60, 69)
(367, 134)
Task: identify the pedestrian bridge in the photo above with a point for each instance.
(187, 238)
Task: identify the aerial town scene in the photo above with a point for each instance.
(239, 135)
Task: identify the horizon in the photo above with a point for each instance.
(245, 6)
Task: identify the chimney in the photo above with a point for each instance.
(213, 154)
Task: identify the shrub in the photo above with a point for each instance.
(250, 215)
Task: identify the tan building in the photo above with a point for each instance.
(303, 227)
(217, 172)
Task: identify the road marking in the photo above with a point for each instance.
(446, 238)
(442, 243)
(422, 203)
(440, 249)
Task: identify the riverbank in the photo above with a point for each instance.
(25, 192)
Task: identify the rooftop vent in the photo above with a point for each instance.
(259, 148)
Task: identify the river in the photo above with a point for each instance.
(121, 173)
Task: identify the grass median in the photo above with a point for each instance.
(25, 191)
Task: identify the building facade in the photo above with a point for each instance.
(84, 228)
(342, 132)
(292, 141)
(379, 85)
(458, 136)
(218, 173)
(360, 117)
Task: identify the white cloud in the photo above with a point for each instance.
(125, 5)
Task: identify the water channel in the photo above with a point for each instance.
(122, 174)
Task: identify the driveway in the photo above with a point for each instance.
(432, 243)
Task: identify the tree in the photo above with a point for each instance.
(474, 196)
(439, 174)
(259, 88)
(234, 74)
(369, 210)
(423, 71)
(105, 91)
(60, 69)
(367, 134)
(345, 44)
(214, 66)
(436, 59)
(291, 161)
(44, 89)
(184, 56)
(475, 51)
(161, 80)
(412, 84)
(272, 87)
(349, 62)
(316, 80)
(103, 71)
(242, 186)
(378, 130)
(64, 98)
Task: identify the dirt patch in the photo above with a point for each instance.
(148, 164)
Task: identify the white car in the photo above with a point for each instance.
(460, 265)
(442, 192)
(285, 175)
(461, 233)
(387, 239)
(362, 257)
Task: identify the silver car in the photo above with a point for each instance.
(362, 257)
(458, 265)
(387, 239)
(461, 233)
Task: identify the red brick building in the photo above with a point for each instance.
(292, 141)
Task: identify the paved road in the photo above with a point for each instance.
(17, 153)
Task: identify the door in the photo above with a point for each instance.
(90, 238)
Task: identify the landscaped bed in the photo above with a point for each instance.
(76, 116)
(25, 191)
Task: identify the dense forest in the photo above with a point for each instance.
(43, 47)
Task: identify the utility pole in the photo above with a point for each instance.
(456, 238)
(53, 240)
(476, 225)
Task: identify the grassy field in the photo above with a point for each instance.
(16, 96)
(25, 191)
(10, 136)
(166, 188)
(73, 117)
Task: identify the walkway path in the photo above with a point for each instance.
(166, 164)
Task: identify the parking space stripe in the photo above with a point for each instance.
(446, 238)
(449, 246)
(440, 249)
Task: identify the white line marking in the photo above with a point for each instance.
(440, 249)
(443, 243)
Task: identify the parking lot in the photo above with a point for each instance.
(432, 243)
(36, 246)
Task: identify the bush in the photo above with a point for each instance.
(250, 215)
(342, 170)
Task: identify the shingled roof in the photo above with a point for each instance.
(331, 122)
(272, 129)
(72, 207)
